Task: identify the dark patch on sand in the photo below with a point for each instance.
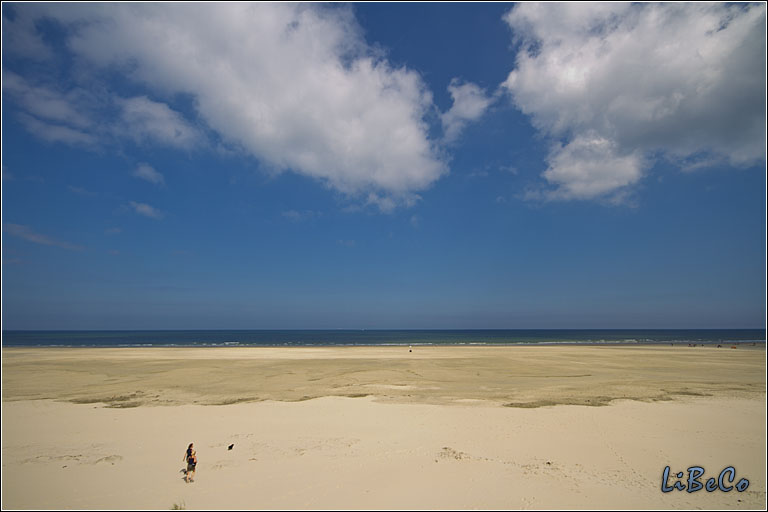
(598, 401)
(238, 400)
(114, 401)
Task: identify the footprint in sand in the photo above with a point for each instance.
(52, 458)
(449, 453)
(111, 459)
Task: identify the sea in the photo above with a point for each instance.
(364, 337)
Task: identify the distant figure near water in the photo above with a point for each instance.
(190, 457)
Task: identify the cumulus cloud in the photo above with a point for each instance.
(469, 103)
(590, 166)
(620, 82)
(295, 85)
(28, 234)
(148, 173)
(146, 210)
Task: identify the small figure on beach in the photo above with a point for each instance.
(190, 449)
(190, 457)
(410, 348)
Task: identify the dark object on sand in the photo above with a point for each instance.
(231, 446)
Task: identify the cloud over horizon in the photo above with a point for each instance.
(619, 83)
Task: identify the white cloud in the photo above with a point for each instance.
(70, 116)
(148, 173)
(620, 82)
(145, 121)
(56, 132)
(146, 210)
(28, 234)
(20, 37)
(385, 203)
(469, 103)
(46, 103)
(591, 166)
(295, 85)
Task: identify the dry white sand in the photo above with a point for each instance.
(404, 445)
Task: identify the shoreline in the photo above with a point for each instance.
(741, 343)
(758, 343)
(377, 337)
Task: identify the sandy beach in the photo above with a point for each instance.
(380, 428)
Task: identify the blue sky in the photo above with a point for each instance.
(472, 165)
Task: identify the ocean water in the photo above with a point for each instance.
(310, 338)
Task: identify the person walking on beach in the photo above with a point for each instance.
(190, 449)
(190, 457)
